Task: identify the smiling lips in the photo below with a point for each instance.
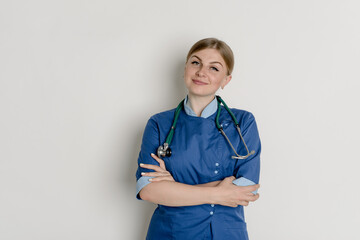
(197, 82)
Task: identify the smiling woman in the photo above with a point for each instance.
(205, 73)
(201, 188)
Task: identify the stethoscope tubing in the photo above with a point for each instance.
(165, 151)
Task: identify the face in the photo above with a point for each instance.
(205, 73)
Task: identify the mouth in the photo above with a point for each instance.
(197, 82)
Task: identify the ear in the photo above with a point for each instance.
(226, 81)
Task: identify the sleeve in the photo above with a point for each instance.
(247, 171)
(150, 143)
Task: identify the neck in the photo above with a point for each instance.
(198, 103)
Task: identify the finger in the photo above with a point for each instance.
(243, 203)
(155, 174)
(232, 204)
(251, 188)
(229, 179)
(249, 193)
(153, 167)
(253, 198)
(160, 161)
(159, 179)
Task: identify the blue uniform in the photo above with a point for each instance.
(200, 154)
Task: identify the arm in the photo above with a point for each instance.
(174, 194)
(165, 191)
(247, 171)
(209, 184)
(178, 194)
(161, 174)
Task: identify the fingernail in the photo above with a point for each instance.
(150, 179)
(142, 173)
(152, 154)
(141, 164)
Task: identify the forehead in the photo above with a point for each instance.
(209, 55)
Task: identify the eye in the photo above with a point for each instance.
(195, 63)
(214, 68)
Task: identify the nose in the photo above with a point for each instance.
(200, 72)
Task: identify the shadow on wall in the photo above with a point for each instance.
(177, 92)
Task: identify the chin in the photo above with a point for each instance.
(202, 93)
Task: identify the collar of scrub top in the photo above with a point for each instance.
(209, 110)
(164, 150)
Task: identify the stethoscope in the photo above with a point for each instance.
(165, 151)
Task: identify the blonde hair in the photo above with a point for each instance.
(214, 43)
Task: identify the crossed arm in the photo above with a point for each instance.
(165, 191)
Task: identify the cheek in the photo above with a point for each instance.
(187, 77)
(188, 70)
(218, 81)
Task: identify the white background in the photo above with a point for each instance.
(79, 80)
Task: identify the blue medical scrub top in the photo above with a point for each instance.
(200, 154)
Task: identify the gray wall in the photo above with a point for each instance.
(79, 80)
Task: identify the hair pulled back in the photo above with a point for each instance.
(214, 43)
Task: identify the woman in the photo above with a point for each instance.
(201, 188)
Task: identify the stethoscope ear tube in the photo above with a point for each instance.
(242, 139)
(237, 127)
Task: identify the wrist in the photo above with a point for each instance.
(213, 195)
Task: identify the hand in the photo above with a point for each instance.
(160, 174)
(228, 194)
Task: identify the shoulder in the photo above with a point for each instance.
(162, 118)
(244, 117)
(242, 114)
(169, 114)
(159, 122)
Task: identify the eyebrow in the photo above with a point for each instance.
(210, 62)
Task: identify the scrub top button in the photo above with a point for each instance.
(217, 164)
(211, 213)
(216, 171)
(212, 205)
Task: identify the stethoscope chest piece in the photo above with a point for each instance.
(164, 150)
